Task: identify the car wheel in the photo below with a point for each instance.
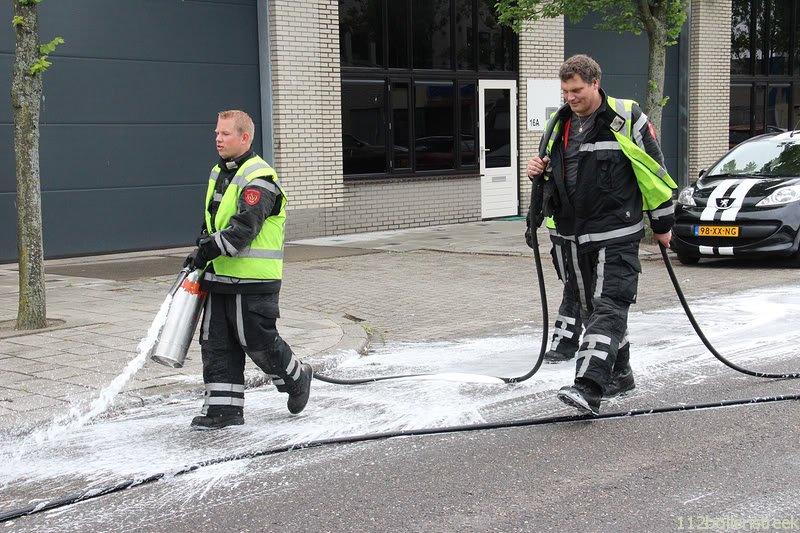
(688, 259)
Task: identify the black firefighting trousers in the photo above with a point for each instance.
(234, 325)
(599, 288)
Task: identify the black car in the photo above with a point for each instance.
(746, 204)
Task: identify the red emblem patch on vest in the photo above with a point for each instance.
(252, 196)
(652, 130)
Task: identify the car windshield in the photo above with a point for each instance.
(765, 158)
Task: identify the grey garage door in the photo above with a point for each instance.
(127, 124)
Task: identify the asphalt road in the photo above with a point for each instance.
(719, 469)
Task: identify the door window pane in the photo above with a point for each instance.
(465, 35)
(469, 123)
(434, 135)
(431, 33)
(398, 34)
(497, 122)
(361, 33)
(401, 125)
(739, 125)
(363, 127)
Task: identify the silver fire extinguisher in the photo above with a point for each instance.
(184, 312)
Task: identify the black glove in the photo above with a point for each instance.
(206, 250)
(529, 237)
(189, 261)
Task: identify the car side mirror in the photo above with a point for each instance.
(700, 174)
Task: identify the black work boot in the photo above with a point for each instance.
(553, 356)
(621, 381)
(300, 390)
(584, 395)
(218, 420)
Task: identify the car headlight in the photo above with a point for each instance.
(781, 196)
(686, 197)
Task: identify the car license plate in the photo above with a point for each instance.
(716, 231)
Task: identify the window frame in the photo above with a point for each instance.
(457, 77)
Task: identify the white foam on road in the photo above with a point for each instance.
(752, 329)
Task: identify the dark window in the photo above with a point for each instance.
(434, 139)
(778, 98)
(401, 125)
(741, 52)
(780, 36)
(758, 110)
(765, 67)
(469, 123)
(495, 43)
(363, 127)
(759, 36)
(361, 33)
(410, 70)
(399, 49)
(431, 33)
(739, 129)
(464, 24)
(498, 123)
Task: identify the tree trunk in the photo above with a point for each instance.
(657, 37)
(26, 97)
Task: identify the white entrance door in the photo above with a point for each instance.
(497, 124)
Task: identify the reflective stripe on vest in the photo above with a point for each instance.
(263, 259)
(655, 183)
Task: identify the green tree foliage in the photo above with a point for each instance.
(661, 20)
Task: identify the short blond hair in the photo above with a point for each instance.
(241, 121)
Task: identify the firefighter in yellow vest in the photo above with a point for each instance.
(604, 171)
(241, 248)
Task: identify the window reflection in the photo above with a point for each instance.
(494, 42)
(393, 122)
(740, 37)
(463, 28)
(361, 33)
(434, 143)
(780, 35)
(778, 108)
(739, 128)
(431, 33)
(469, 123)
(401, 126)
(497, 122)
(398, 34)
(363, 127)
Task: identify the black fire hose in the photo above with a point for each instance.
(696, 326)
(536, 216)
(531, 372)
(89, 494)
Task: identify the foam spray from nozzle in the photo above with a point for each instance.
(184, 313)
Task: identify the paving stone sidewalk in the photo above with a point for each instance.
(415, 285)
(100, 323)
